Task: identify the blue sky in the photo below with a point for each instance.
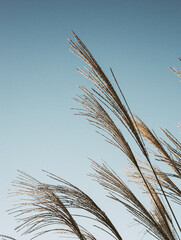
(138, 39)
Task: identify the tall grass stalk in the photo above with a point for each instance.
(44, 208)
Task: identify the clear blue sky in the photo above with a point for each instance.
(138, 39)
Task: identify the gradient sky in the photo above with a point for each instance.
(138, 39)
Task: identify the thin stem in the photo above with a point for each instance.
(146, 155)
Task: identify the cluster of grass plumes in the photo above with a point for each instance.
(45, 208)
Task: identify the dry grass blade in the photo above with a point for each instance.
(102, 83)
(164, 219)
(176, 70)
(97, 116)
(149, 136)
(173, 139)
(42, 211)
(73, 197)
(174, 151)
(120, 192)
(169, 186)
(5, 237)
(165, 156)
(170, 189)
